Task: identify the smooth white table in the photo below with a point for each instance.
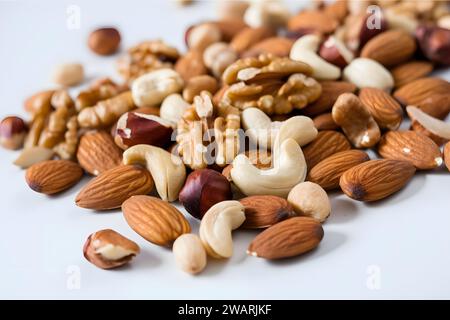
(397, 248)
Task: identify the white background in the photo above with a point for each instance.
(397, 248)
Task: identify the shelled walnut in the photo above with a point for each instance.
(272, 84)
(101, 89)
(207, 125)
(66, 150)
(145, 57)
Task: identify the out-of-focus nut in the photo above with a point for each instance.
(396, 20)
(364, 72)
(248, 37)
(334, 51)
(39, 103)
(12, 132)
(410, 71)
(435, 43)
(68, 74)
(272, 14)
(433, 125)
(444, 22)
(104, 41)
(216, 227)
(173, 108)
(151, 88)
(447, 155)
(32, 155)
(218, 57)
(278, 46)
(203, 35)
(190, 255)
(232, 9)
(309, 199)
(356, 121)
(109, 249)
(138, 128)
(203, 189)
(197, 84)
(312, 20)
(191, 65)
(325, 122)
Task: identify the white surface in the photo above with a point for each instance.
(406, 237)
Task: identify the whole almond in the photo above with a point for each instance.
(328, 171)
(386, 111)
(278, 46)
(414, 93)
(97, 152)
(325, 122)
(447, 155)
(312, 20)
(265, 210)
(410, 146)
(327, 143)
(112, 187)
(191, 65)
(376, 179)
(154, 219)
(437, 106)
(390, 47)
(410, 71)
(286, 239)
(331, 90)
(248, 37)
(53, 176)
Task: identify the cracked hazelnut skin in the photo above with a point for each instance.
(104, 41)
(203, 189)
(13, 131)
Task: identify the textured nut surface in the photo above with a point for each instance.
(286, 239)
(104, 41)
(328, 171)
(218, 56)
(415, 92)
(39, 103)
(112, 187)
(53, 176)
(410, 71)
(376, 179)
(97, 152)
(190, 255)
(264, 211)
(109, 249)
(68, 74)
(154, 219)
(356, 121)
(216, 226)
(32, 155)
(364, 72)
(309, 199)
(173, 108)
(197, 84)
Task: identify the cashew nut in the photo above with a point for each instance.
(299, 128)
(216, 227)
(305, 50)
(364, 72)
(289, 169)
(167, 170)
(173, 107)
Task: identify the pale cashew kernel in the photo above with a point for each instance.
(173, 107)
(190, 255)
(167, 170)
(216, 226)
(364, 72)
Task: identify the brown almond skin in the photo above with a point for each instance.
(53, 176)
(414, 93)
(98, 153)
(328, 171)
(447, 155)
(386, 111)
(278, 46)
(410, 146)
(112, 187)
(410, 71)
(287, 239)
(155, 220)
(312, 20)
(437, 106)
(325, 122)
(327, 143)
(263, 211)
(376, 179)
(104, 41)
(191, 65)
(417, 127)
(248, 37)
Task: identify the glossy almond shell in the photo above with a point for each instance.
(386, 111)
(111, 188)
(417, 91)
(410, 71)
(410, 146)
(328, 172)
(376, 179)
(97, 152)
(154, 219)
(53, 176)
(286, 239)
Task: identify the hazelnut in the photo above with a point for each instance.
(203, 189)
(109, 249)
(104, 41)
(138, 128)
(309, 199)
(12, 132)
(334, 51)
(434, 43)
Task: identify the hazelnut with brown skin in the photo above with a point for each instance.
(13, 131)
(434, 43)
(203, 189)
(104, 41)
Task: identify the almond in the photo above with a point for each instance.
(154, 219)
(328, 171)
(287, 239)
(312, 20)
(410, 71)
(414, 93)
(277, 46)
(325, 122)
(53, 176)
(248, 37)
(264, 211)
(112, 187)
(386, 111)
(331, 90)
(390, 47)
(417, 127)
(191, 65)
(410, 146)
(97, 152)
(437, 106)
(447, 155)
(327, 143)
(376, 179)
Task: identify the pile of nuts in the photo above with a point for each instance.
(265, 113)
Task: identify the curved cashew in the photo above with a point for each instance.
(167, 170)
(216, 226)
(305, 50)
(289, 169)
(299, 128)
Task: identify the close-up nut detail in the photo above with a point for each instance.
(310, 200)
(101, 89)
(190, 255)
(364, 72)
